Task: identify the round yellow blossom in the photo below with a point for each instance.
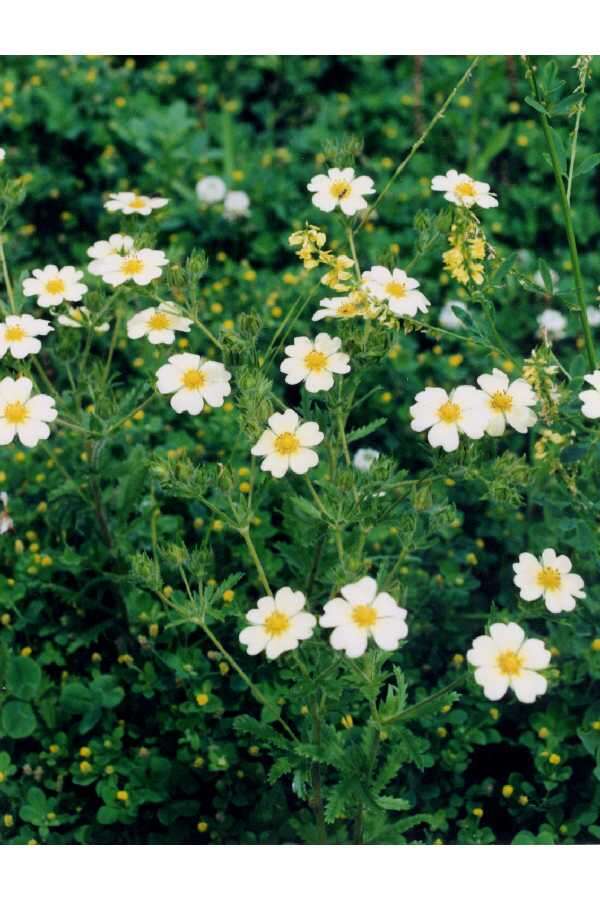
(455, 360)
(508, 790)
(596, 725)
(523, 800)
(8, 820)
(26, 651)
(253, 750)
(153, 630)
(167, 591)
(202, 699)
(223, 668)
(217, 525)
(228, 595)
(543, 732)
(458, 659)
(198, 762)
(596, 644)
(245, 487)
(477, 812)
(442, 732)
(85, 767)
(123, 796)
(53, 748)
(120, 102)
(85, 752)
(202, 827)
(554, 759)
(386, 397)
(277, 312)
(494, 713)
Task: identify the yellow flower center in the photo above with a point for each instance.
(276, 624)
(76, 314)
(340, 190)
(193, 379)
(132, 266)
(549, 579)
(137, 203)
(397, 290)
(286, 443)
(347, 309)
(315, 361)
(501, 402)
(364, 616)
(14, 333)
(16, 413)
(55, 286)
(465, 189)
(159, 321)
(509, 662)
(449, 413)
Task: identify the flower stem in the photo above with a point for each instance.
(6, 276)
(245, 533)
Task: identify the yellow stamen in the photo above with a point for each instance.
(509, 662)
(14, 333)
(276, 624)
(501, 401)
(158, 321)
(449, 413)
(340, 190)
(549, 579)
(397, 290)
(286, 443)
(137, 203)
(193, 379)
(348, 309)
(132, 266)
(364, 616)
(16, 413)
(465, 189)
(55, 286)
(315, 361)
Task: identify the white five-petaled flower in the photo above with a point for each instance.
(341, 188)
(506, 659)
(508, 403)
(78, 316)
(286, 444)
(361, 612)
(116, 245)
(464, 190)
(397, 289)
(277, 624)
(193, 381)
(236, 205)
(364, 458)
(159, 324)
(550, 578)
(18, 334)
(315, 362)
(22, 414)
(127, 202)
(347, 307)
(552, 324)
(52, 285)
(591, 398)
(139, 266)
(211, 189)
(463, 411)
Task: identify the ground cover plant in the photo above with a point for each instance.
(299, 450)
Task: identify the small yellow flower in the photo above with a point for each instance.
(554, 759)
(198, 762)
(347, 721)
(455, 360)
(8, 821)
(223, 668)
(217, 525)
(53, 748)
(26, 651)
(543, 733)
(123, 796)
(523, 800)
(442, 732)
(477, 812)
(85, 767)
(596, 644)
(120, 102)
(85, 752)
(494, 713)
(228, 595)
(202, 827)
(458, 660)
(153, 630)
(508, 790)
(202, 699)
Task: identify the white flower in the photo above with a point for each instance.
(347, 307)
(277, 624)
(593, 315)
(79, 316)
(464, 411)
(551, 579)
(538, 278)
(508, 403)
(448, 318)
(464, 190)
(211, 189)
(128, 202)
(341, 188)
(19, 335)
(2, 154)
(361, 612)
(236, 205)
(315, 362)
(364, 458)
(102, 250)
(286, 445)
(140, 266)
(553, 323)
(591, 399)
(52, 285)
(398, 289)
(159, 324)
(6, 523)
(22, 414)
(193, 381)
(505, 659)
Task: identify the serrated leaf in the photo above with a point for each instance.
(394, 804)
(365, 430)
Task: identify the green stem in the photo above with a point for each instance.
(6, 276)
(410, 711)
(568, 220)
(317, 797)
(245, 533)
(353, 252)
(580, 106)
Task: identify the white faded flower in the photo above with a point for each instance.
(18, 335)
(193, 381)
(341, 188)
(464, 411)
(211, 189)
(550, 578)
(79, 316)
(6, 523)
(158, 324)
(2, 154)
(24, 415)
(347, 307)
(506, 660)
(508, 403)
(116, 245)
(593, 316)
(139, 266)
(127, 202)
(448, 318)
(397, 289)
(315, 362)
(361, 612)
(286, 444)
(236, 205)
(277, 624)
(552, 323)
(364, 458)
(538, 278)
(52, 285)
(591, 398)
(464, 190)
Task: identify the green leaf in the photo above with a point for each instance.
(546, 276)
(534, 103)
(359, 433)
(395, 804)
(35, 809)
(18, 719)
(23, 677)
(587, 165)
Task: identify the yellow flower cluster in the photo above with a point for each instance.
(311, 241)
(468, 248)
